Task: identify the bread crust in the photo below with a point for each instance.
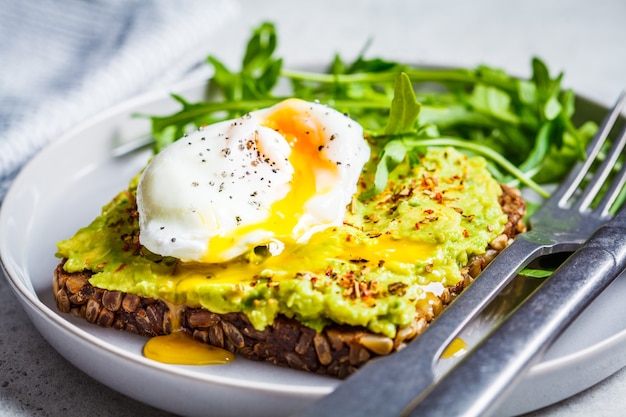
(337, 350)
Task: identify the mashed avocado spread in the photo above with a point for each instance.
(373, 271)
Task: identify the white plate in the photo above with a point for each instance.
(64, 187)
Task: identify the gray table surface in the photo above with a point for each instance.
(585, 39)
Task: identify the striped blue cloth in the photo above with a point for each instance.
(62, 61)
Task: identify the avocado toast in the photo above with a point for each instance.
(353, 292)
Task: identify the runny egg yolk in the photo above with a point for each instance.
(305, 136)
(326, 245)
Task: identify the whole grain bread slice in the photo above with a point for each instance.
(336, 351)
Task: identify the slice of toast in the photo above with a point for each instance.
(338, 350)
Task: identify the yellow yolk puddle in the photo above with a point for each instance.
(295, 257)
(456, 348)
(181, 348)
(388, 249)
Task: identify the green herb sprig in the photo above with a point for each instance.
(523, 127)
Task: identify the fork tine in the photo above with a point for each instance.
(576, 176)
(608, 199)
(602, 173)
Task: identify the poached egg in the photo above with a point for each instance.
(271, 178)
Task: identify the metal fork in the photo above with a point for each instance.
(394, 385)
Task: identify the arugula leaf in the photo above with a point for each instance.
(540, 150)
(260, 70)
(494, 102)
(404, 107)
(391, 156)
(535, 273)
(541, 76)
(552, 108)
(402, 119)
(225, 79)
(260, 48)
(168, 129)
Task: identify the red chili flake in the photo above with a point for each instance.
(330, 273)
(417, 226)
(466, 233)
(119, 268)
(374, 218)
(273, 284)
(344, 282)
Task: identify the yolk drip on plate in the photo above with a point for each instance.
(456, 348)
(181, 348)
